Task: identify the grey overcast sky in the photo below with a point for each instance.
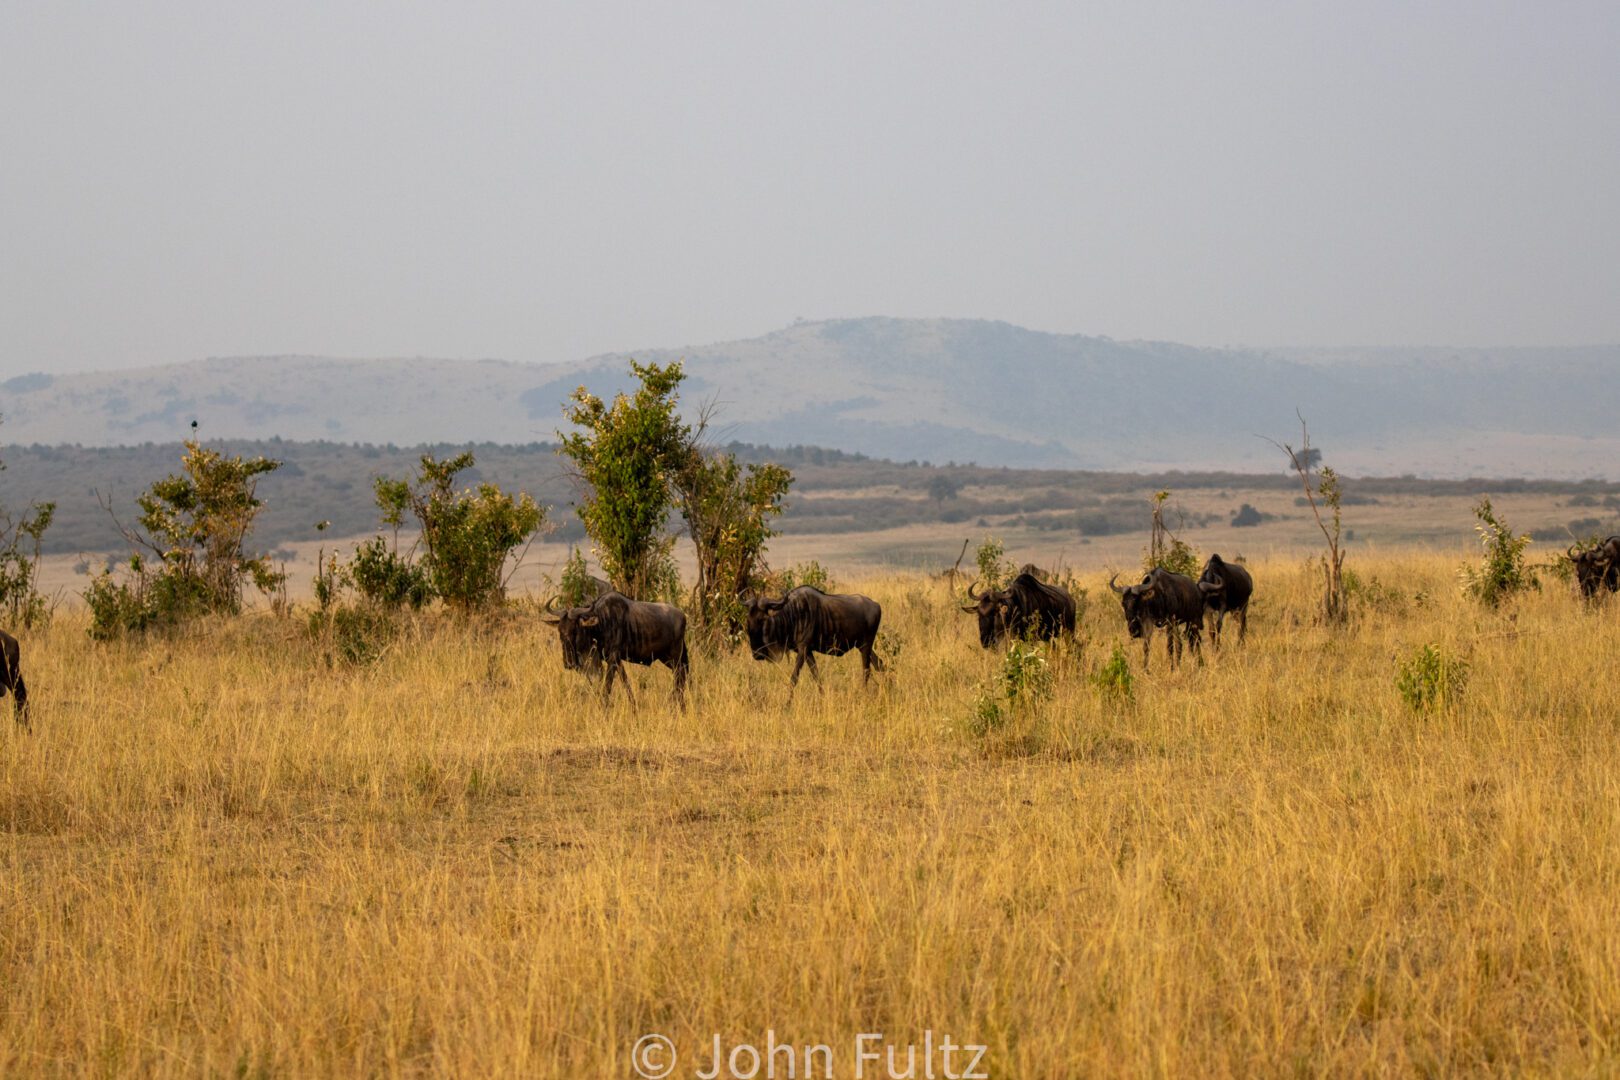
(547, 181)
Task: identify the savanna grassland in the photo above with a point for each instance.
(220, 854)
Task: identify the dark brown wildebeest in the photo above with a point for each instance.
(1025, 608)
(11, 677)
(614, 630)
(1226, 587)
(808, 621)
(1172, 601)
(1597, 566)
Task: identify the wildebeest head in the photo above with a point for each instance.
(764, 641)
(1134, 599)
(576, 628)
(992, 608)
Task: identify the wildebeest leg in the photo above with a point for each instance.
(1195, 639)
(616, 666)
(1147, 643)
(682, 665)
(810, 658)
(19, 691)
(1243, 623)
(1172, 643)
(1215, 627)
(869, 660)
(798, 663)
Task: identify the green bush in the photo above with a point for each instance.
(994, 568)
(1165, 550)
(627, 452)
(20, 597)
(195, 526)
(810, 573)
(384, 577)
(1431, 679)
(467, 537)
(1113, 681)
(577, 585)
(355, 634)
(1025, 678)
(1502, 571)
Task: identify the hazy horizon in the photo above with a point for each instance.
(549, 184)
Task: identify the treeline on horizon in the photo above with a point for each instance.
(834, 491)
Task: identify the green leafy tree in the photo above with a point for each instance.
(194, 525)
(728, 509)
(467, 535)
(20, 541)
(628, 453)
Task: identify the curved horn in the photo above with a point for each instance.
(971, 594)
(551, 605)
(1111, 584)
(1571, 555)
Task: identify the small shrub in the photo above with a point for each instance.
(384, 577)
(1372, 593)
(810, 573)
(987, 716)
(994, 569)
(576, 585)
(115, 609)
(1431, 679)
(1502, 571)
(1165, 550)
(1113, 681)
(1025, 673)
(20, 598)
(355, 634)
(1024, 679)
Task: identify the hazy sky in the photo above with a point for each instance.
(545, 182)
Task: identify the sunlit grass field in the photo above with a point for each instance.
(222, 855)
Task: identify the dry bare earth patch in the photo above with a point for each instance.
(219, 855)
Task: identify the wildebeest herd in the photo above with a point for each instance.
(612, 630)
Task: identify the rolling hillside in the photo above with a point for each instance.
(938, 389)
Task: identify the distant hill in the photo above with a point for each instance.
(924, 389)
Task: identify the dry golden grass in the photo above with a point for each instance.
(218, 856)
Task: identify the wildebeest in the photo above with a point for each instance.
(1597, 566)
(1035, 572)
(1163, 599)
(808, 621)
(613, 630)
(11, 677)
(1226, 587)
(1027, 607)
